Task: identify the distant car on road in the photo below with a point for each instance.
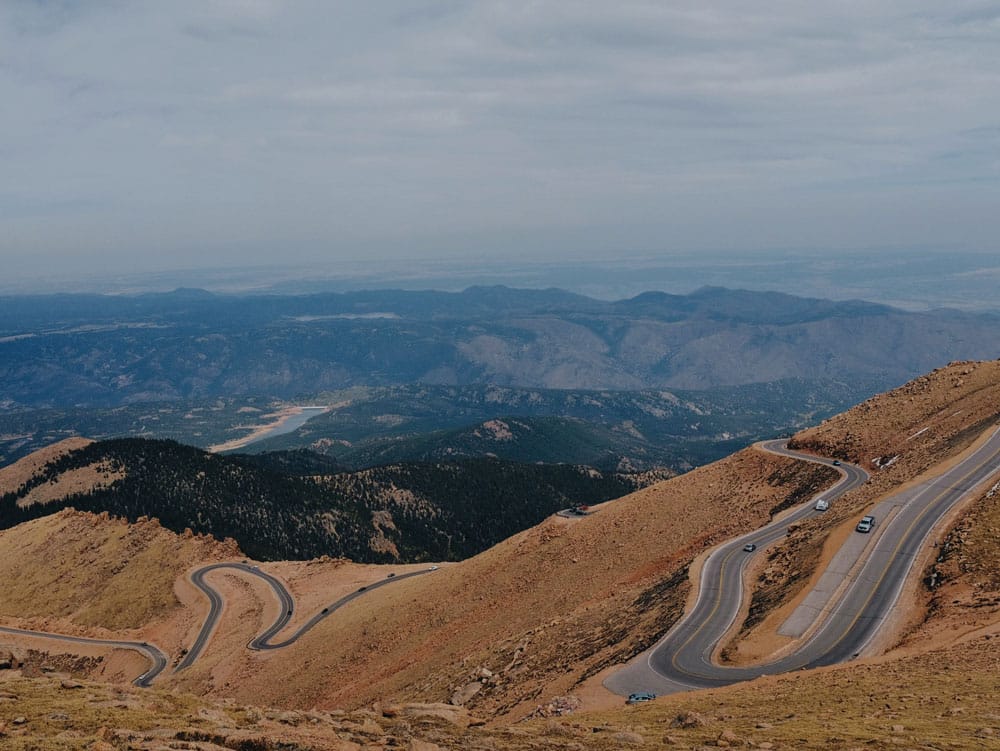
(836, 462)
(640, 697)
(389, 576)
(822, 505)
(866, 524)
(749, 547)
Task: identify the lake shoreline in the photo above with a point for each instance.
(296, 415)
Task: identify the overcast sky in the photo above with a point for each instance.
(176, 134)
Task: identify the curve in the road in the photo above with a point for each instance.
(263, 641)
(152, 653)
(683, 659)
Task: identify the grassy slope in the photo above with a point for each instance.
(13, 476)
(940, 700)
(95, 571)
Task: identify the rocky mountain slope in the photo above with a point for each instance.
(540, 611)
(897, 436)
(942, 699)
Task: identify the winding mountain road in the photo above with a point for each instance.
(262, 641)
(287, 604)
(847, 623)
(155, 656)
(843, 626)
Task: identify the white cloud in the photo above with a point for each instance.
(311, 126)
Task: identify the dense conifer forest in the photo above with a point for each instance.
(401, 512)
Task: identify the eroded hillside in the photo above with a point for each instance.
(944, 699)
(541, 611)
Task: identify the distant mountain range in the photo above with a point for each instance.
(614, 430)
(367, 426)
(58, 351)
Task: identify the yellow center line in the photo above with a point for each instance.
(707, 619)
(903, 538)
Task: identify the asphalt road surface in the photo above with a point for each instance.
(682, 660)
(260, 642)
(155, 656)
(263, 640)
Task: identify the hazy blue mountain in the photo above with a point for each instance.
(379, 424)
(79, 350)
(608, 429)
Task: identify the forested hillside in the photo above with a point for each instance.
(371, 425)
(402, 512)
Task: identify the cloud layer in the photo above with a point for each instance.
(259, 130)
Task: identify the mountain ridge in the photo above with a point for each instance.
(444, 510)
(103, 351)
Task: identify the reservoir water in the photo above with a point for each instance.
(291, 424)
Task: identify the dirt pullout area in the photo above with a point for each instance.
(899, 437)
(527, 620)
(15, 475)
